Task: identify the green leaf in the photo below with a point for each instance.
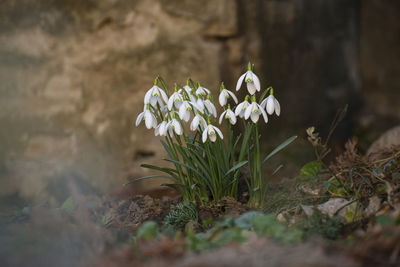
(149, 177)
(153, 167)
(311, 169)
(277, 169)
(280, 147)
(237, 166)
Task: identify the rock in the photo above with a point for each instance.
(388, 140)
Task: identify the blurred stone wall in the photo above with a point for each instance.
(73, 75)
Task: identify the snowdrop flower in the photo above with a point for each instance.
(199, 104)
(175, 99)
(161, 129)
(149, 118)
(174, 126)
(252, 81)
(211, 132)
(224, 95)
(197, 121)
(229, 115)
(201, 91)
(254, 111)
(184, 111)
(271, 104)
(241, 108)
(210, 107)
(154, 95)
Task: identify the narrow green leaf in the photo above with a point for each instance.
(280, 147)
(148, 177)
(277, 169)
(237, 166)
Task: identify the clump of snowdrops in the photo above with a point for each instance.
(204, 164)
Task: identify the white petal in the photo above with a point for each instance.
(256, 82)
(233, 96)
(219, 132)
(182, 111)
(153, 101)
(203, 122)
(248, 111)
(270, 104)
(240, 81)
(264, 103)
(170, 103)
(139, 118)
(186, 117)
(232, 117)
(195, 123)
(239, 108)
(147, 96)
(162, 127)
(277, 107)
(213, 137)
(222, 99)
(255, 116)
(163, 95)
(204, 137)
(200, 105)
(232, 120)
(251, 88)
(264, 115)
(222, 116)
(177, 127)
(148, 119)
(157, 130)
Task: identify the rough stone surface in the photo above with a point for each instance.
(388, 140)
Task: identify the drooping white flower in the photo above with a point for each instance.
(188, 89)
(199, 104)
(185, 110)
(224, 95)
(149, 118)
(241, 108)
(254, 110)
(173, 126)
(175, 99)
(251, 80)
(229, 115)
(155, 94)
(271, 104)
(161, 129)
(210, 107)
(198, 121)
(202, 91)
(211, 132)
